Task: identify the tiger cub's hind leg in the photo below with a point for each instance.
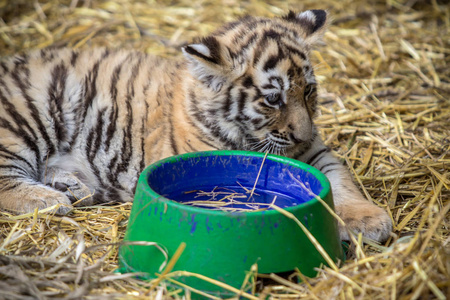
(69, 184)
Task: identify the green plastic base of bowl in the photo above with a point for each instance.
(223, 245)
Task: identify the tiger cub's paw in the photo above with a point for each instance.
(39, 197)
(50, 199)
(366, 218)
(70, 185)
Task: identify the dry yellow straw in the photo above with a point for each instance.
(257, 177)
(238, 292)
(190, 288)
(170, 265)
(430, 284)
(433, 228)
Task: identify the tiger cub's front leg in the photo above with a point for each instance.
(23, 194)
(359, 215)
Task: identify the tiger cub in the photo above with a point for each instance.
(73, 123)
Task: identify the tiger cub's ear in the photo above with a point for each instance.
(312, 22)
(207, 51)
(210, 59)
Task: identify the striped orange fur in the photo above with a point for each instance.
(76, 122)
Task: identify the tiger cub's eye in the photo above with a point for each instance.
(273, 99)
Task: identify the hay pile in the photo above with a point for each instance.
(385, 108)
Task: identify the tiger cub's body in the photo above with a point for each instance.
(75, 122)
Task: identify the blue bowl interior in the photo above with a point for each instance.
(173, 179)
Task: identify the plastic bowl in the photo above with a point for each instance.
(224, 245)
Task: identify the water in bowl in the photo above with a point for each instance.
(233, 198)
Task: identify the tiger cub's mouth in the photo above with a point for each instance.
(273, 143)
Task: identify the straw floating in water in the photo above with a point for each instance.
(225, 199)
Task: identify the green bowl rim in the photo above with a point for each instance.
(326, 188)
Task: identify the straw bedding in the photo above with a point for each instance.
(385, 109)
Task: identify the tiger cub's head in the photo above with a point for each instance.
(254, 86)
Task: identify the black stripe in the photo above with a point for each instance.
(271, 122)
(90, 149)
(272, 34)
(114, 111)
(263, 104)
(247, 82)
(30, 143)
(12, 111)
(10, 177)
(286, 35)
(245, 44)
(330, 170)
(295, 51)
(328, 165)
(215, 130)
(56, 99)
(90, 87)
(316, 155)
(127, 146)
(22, 170)
(300, 151)
(4, 67)
(74, 58)
(260, 49)
(260, 112)
(257, 96)
(10, 185)
(208, 80)
(77, 108)
(272, 62)
(173, 143)
(268, 86)
(89, 141)
(226, 106)
(285, 31)
(257, 121)
(94, 137)
(189, 147)
(112, 173)
(21, 59)
(202, 139)
(241, 116)
(142, 153)
(12, 155)
(98, 134)
(90, 83)
(20, 76)
(261, 125)
(47, 55)
(90, 92)
(241, 101)
(238, 36)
